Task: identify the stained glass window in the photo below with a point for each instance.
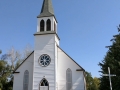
(44, 85)
(26, 80)
(44, 82)
(44, 60)
(68, 79)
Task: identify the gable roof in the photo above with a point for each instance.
(60, 49)
(72, 60)
(23, 61)
(47, 9)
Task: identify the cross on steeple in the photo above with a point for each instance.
(109, 75)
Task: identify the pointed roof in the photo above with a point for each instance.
(47, 9)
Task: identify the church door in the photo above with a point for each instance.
(44, 85)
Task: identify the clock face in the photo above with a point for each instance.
(44, 60)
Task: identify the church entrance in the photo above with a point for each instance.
(44, 85)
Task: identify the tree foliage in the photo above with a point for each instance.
(5, 72)
(27, 50)
(13, 56)
(92, 83)
(16, 57)
(112, 60)
(8, 62)
(97, 83)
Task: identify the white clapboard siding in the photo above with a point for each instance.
(65, 62)
(44, 44)
(19, 77)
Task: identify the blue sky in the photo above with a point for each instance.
(85, 27)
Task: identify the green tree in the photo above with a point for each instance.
(8, 62)
(89, 80)
(112, 60)
(96, 83)
(4, 74)
(91, 83)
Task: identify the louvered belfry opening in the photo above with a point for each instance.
(44, 85)
(48, 25)
(26, 80)
(42, 25)
(54, 26)
(68, 79)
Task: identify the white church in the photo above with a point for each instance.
(48, 67)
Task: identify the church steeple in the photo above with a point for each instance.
(46, 19)
(47, 9)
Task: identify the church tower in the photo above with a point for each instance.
(45, 51)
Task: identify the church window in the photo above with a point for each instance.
(42, 25)
(68, 79)
(44, 60)
(26, 80)
(54, 26)
(48, 25)
(44, 85)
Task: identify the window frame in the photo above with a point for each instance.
(26, 82)
(41, 83)
(39, 60)
(68, 73)
(48, 25)
(42, 25)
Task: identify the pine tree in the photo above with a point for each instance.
(112, 60)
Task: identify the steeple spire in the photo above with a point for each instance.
(47, 9)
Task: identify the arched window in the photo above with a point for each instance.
(54, 26)
(68, 79)
(48, 25)
(44, 85)
(26, 80)
(42, 25)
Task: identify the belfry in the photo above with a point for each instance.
(46, 18)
